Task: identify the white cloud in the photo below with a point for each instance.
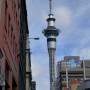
(39, 65)
(36, 70)
(82, 52)
(82, 10)
(63, 16)
(40, 70)
(85, 40)
(44, 84)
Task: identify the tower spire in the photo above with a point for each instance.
(50, 6)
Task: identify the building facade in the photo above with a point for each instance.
(13, 51)
(9, 44)
(28, 66)
(23, 49)
(71, 72)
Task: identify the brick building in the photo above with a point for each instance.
(9, 44)
(13, 53)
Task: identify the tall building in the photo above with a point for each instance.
(71, 72)
(51, 32)
(9, 44)
(33, 85)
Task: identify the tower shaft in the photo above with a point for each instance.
(52, 68)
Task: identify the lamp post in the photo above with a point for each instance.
(36, 38)
(28, 63)
(67, 76)
(28, 40)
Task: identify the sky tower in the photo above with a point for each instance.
(51, 32)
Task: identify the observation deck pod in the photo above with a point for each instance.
(51, 30)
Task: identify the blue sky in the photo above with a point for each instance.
(73, 19)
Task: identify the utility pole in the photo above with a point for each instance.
(67, 76)
(84, 71)
(51, 32)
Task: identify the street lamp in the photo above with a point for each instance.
(36, 38)
(28, 41)
(28, 61)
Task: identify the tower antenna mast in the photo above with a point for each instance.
(50, 6)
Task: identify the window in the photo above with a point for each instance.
(11, 28)
(5, 28)
(1, 54)
(9, 18)
(6, 4)
(0, 87)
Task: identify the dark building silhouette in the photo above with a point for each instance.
(33, 85)
(23, 36)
